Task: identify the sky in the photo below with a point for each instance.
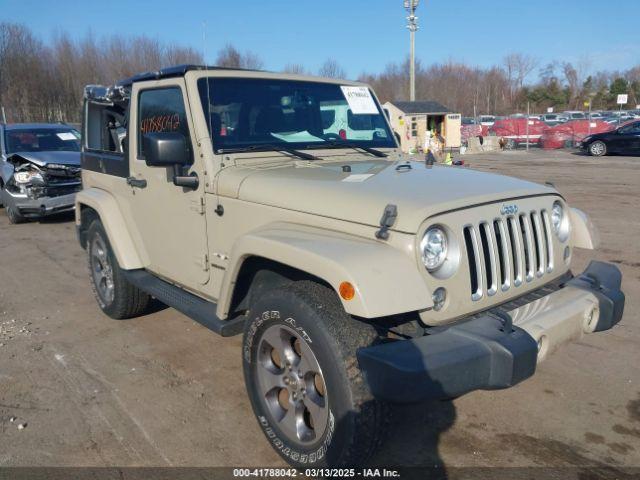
(363, 36)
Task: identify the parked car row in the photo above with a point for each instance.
(553, 119)
(596, 136)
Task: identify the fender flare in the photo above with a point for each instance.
(584, 233)
(106, 206)
(386, 280)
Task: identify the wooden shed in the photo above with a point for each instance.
(411, 121)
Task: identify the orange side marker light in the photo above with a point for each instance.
(347, 291)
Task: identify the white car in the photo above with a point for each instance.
(574, 115)
(487, 120)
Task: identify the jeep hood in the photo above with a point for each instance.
(42, 159)
(360, 195)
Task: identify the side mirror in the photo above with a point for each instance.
(169, 149)
(165, 149)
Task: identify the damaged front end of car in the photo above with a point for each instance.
(37, 189)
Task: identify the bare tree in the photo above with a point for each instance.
(231, 57)
(296, 68)
(44, 81)
(518, 67)
(332, 69)
(573, 84)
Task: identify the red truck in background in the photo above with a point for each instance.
(570, 133)
(518, 130)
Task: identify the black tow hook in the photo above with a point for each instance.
(507, 322)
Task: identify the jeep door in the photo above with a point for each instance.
(170, 224)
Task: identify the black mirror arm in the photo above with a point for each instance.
(190, 181)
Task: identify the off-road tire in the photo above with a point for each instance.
(14, 216)
(598, 149)
(357, 423)
(128, 301)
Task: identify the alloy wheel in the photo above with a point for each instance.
(291, 384)
(102, 270)
(597, 149)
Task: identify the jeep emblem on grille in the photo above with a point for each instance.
(509, 209)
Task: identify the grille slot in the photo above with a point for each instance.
(475, 264)
(539, 242)
(508, 251)
(546, 226)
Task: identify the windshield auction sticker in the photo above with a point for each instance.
(360, 100)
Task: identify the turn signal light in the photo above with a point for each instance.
(347, 291)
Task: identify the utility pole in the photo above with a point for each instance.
(527, 126)
(410, 6)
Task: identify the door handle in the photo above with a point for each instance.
(137, 182)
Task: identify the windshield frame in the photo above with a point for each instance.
(266, 145)
(53, 130)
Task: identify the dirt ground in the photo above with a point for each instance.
(162, 390)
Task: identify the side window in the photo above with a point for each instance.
(632, 129)
(161, 110)
(105, 128)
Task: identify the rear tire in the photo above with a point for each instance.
(303, 379)
(598, 149)
(116, 297)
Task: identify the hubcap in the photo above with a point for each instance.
(101, 269)
(291, 384)
(597, 148)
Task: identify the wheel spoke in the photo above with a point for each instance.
(317, 411)
(274, 337)
(268, 379)
(290, 421)
(308, 362)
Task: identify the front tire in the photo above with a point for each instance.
(13, 215)
(303, 379)
(116, 297)
(598, 148)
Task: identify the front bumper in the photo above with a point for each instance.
(40, 207)
(494, 351)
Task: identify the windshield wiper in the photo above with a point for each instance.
(372, 151)
(268, 146)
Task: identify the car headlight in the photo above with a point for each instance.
(26, 177)
(559, 221)
(433, 248)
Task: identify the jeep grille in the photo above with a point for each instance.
(508, 251)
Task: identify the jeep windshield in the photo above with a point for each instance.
(246, 114)
(41, 140)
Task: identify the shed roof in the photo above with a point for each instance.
(425, 106)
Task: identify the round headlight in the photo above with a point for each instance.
(26, 177)
(433, 248)
(559, 221)
(22, 177)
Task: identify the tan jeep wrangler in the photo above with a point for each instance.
(357, 277)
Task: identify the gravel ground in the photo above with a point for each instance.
(161, 390)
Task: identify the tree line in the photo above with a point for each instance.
(44, 81)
